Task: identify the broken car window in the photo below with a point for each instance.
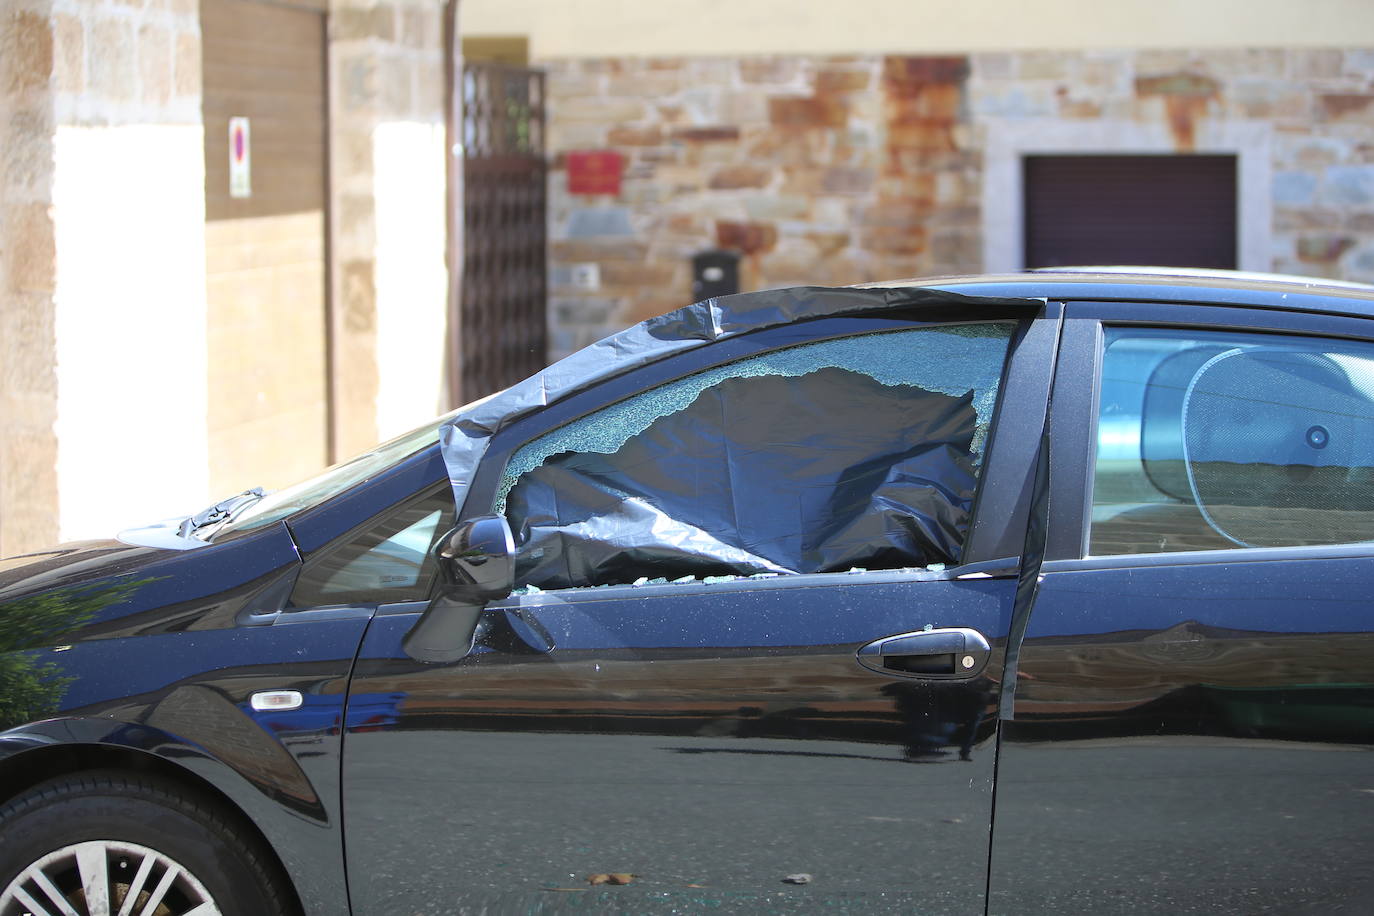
(855, 452)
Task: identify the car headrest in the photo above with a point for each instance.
(1161, 425)
(1273, 440)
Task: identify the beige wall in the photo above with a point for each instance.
(650, 28)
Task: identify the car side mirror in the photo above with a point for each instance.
(477, 559)
(476, 566)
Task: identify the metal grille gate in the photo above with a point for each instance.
(503, 299)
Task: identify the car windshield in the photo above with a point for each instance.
(309, 493)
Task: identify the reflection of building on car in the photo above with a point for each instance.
(1094, 547)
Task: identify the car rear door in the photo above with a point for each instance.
(1194, 707)
(711, 743)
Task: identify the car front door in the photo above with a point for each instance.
(1194, 707)
(656, 720)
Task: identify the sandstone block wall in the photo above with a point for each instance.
(95, 99)
(1313, 107)
(835, 170)
(129, 214)
(135, 62)
(386, 68)
(103, 348)
(818, 170)
(28, 383)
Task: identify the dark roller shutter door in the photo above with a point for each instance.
(1169, 211)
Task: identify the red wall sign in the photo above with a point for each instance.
(594, 172)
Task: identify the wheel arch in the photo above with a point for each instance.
(36, 761)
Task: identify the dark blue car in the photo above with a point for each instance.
(1039, 593)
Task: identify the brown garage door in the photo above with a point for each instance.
(1170, 211)
(265, 253)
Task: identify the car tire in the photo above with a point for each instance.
(147, 836)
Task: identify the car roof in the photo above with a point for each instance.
(1164, 284)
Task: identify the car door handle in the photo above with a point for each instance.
(951, 653)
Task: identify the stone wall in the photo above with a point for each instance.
(1304, 115)
(835, 170)
(129, 296)
(100, 270)
(132, 63)
(28, 384)
(386, 69)
(103, 316)
(818, 170)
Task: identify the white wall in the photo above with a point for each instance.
(131, 344)
(411, 279)
(649, 28)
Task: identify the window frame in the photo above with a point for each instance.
(1073, 423)
(1028, 361)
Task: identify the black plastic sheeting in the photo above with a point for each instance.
(464, 440)
(724, 487)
